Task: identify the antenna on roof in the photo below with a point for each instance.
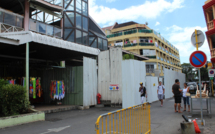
(146, 23)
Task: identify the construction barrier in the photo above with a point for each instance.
(132, 120)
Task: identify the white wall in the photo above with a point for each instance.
(89, 82)
(133, 72)
(151, 86)
(169, 80)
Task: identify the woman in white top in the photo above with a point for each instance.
(186, 98)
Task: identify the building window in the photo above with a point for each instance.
(69, 6)
(78, 6)
(84, 8)
(149, 68)
(69, 35)
(105, 45)
(79, 36)
(85, 38)
(85, 23)
(100, 43)
(93, 42)
(69, 20)
(78, 21)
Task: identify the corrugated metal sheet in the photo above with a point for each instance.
(109, 64)
(133, 72)
(116, 74)
(104, 75)
(73, 81)
(169, 80)
(89, 82)
(151, 86)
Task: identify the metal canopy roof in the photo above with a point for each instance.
(43, 47)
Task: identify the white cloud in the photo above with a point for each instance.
(109, 1)
(157, 23)
(147, 10)
(174, 28)
(181, 38)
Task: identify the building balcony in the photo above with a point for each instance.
(129, 32)
(211, 24)
(43, 28)
(10, 22)
(139, 44)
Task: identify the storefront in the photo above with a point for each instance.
(37, 62)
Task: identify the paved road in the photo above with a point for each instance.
(163, 121)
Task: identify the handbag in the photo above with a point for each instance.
(163, 96)
(187, 94)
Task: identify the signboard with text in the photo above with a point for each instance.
(114, 87)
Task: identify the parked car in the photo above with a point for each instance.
(193, 87)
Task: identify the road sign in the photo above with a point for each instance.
(211, 78)
(200, 38)
(198, 59)
(211, 72)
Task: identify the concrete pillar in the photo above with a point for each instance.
(27, 13)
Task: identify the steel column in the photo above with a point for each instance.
(27, 70)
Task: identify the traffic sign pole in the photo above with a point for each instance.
(197, 44)
(200, 89)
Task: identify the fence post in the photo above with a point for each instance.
(149, 119)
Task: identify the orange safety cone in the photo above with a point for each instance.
(196, 127)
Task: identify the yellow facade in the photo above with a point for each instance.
(165, 54)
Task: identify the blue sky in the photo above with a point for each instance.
(175, 20)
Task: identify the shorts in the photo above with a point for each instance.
(177, 99)
(186, 100)
(160, 96)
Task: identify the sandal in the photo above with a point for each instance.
(184, 110)
(176, 111)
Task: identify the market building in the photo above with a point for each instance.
(140, 39)
(51, 47)
(209, 12)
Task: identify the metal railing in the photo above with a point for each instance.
(132, 120)
(139, 44)
(5, 28)
(44, 28)
(10, 22)
(129, 32)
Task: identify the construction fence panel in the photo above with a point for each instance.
(151, 86)
(110, 72)
(169, 80)
(89, 82)
(132, 120)
(133, 72)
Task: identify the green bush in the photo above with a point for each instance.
(3, 82)
(13, 100)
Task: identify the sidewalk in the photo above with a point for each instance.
(165, 121)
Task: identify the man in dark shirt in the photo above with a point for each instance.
(177, 95)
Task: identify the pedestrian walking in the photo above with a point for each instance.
(142, 91)
(177, 95)
(160, 92)
(186, 96)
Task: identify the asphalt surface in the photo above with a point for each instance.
(163, 121)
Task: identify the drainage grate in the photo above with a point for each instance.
(53, 119)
